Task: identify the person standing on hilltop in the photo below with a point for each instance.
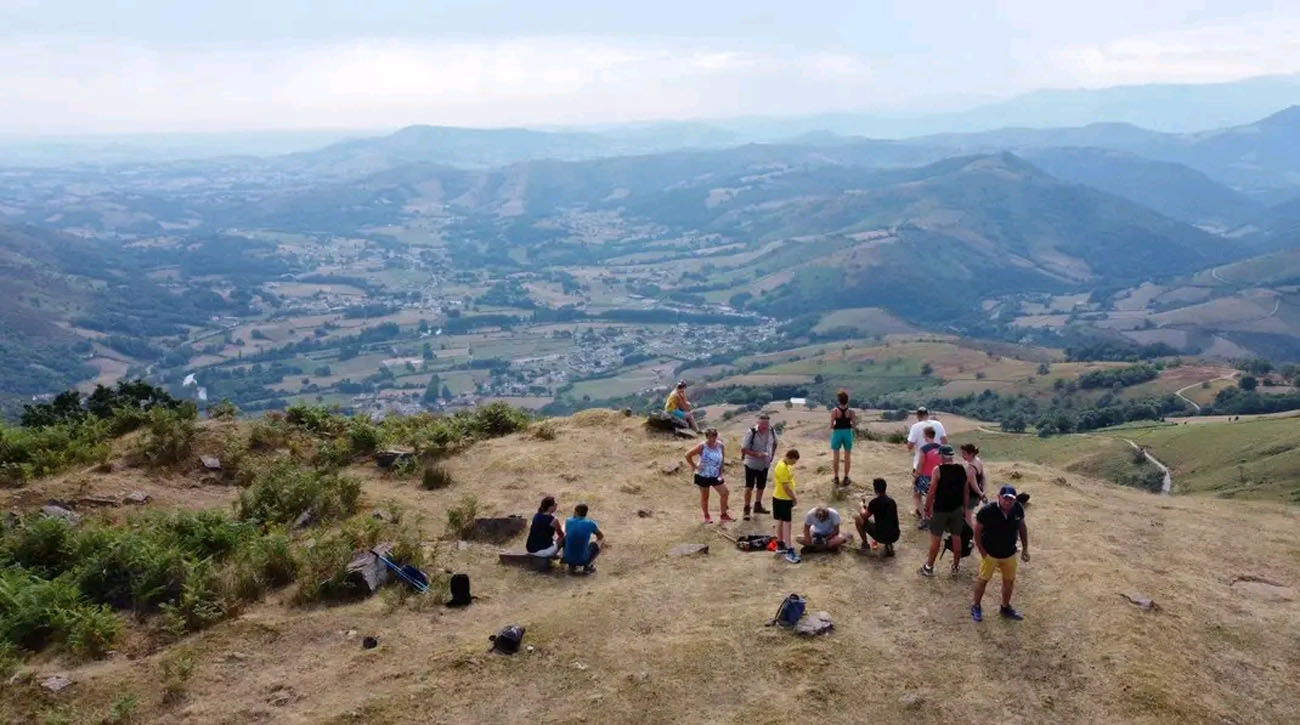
(946, 508)
(708, 473)
(679, 407)
(927, 459)
(997, 525)
(758, 450)
(970, 453)
(843, 420)
(916, 434)
(783, 501)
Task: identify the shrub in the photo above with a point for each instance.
(8, 660)
(282, 492)
(168, 435)
(122, 711)
(435, 477)
(200, 603)
(177, 668)
(322, 572)
(267, 434)
(547, 430)
(898, 437)
(42, 545)
(363, 437)
(316, 420)
(498, 419)
(460, 518)
(91, 630)
(225, 410)
(34, 611)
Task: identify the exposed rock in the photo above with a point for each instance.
(236, 656)
(97, 501)
(672, 469)
(56, 683)
(462, 545)
(105, 467)
(1141, 602)
(912, 700)
(304, 519)
(627, 412)
(814, 624)
(688, 549)
(211, 463)
(378, 515)
(1262, 589)
(523, 559)
(660, 420)
(137, 498)
(60, 512)
(392, 457)
(368, 571)
(643, 514)
(10, 519)
(498, 528)
(685, 433)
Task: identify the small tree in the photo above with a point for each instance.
(1248, 383)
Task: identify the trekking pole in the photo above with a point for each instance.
(402, 573)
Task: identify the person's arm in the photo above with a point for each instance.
(691, 454)
(722, 476)
(746, 450)
(600, 535)
(1024, 541)
(807, 531)
(943, 435)
(979, 538)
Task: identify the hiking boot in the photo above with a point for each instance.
(758, 509)
(589, 569)
(846, 481)
(889, 549)
(976, 613)
(1011, 613)
(926, 570)
(746, 513)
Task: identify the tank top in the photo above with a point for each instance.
(542, 533)
(978, 465)
(844, 422)
(711, 461)
(947, 491)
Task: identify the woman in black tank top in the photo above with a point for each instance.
(842, 420)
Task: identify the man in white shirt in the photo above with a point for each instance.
(916, 435)
(821, 530)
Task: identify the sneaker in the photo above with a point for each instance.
(889, 549)
(725, 517)
(746, 513)
(792, 557)
(781, 546)
(758, 509)
(589, 569)
(927, 570)
(922, 524)
(1011, 613)
(976, 613)
(846, 481)
(708, 519)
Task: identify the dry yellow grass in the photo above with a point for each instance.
(654, 639)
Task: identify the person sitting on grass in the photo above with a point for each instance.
(679, 407)
(545, 534)
(996, 527)
(783, 500)
(579, 549)
(877, 519)
(821, 530)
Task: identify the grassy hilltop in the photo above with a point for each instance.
(653, 638)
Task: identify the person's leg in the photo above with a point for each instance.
(860, 523)
(760, 486)
(593, 550)
(935, 543)
(956, 521)
(835, 460)
(690, 420)
(836, 541)
(704, 501)
(1008, 579)
(749, 488)
(848, 454)
(723, 495)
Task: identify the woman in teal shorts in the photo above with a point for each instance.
(842, 421)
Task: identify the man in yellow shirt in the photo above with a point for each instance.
(783, 501)
(679, 407)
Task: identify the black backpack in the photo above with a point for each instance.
(753, 542)
(967, 541)
(460, 596)
(507, 641)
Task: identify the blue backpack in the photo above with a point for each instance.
(790, 611)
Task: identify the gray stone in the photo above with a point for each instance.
(56, 683)
(392, 457)
(814, 624)
(672, 469)
(688, 549)
(1146, 604)
(60, 512)
(212, 463)
(368, 571)
(100, 501)
(498, 528)
(912, 700)
(304, 519)
(138, 498)
(525, 560)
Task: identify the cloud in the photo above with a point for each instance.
(1216, 52)
(67, 85)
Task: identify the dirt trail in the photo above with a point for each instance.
(1193, 403)
(1166, 487)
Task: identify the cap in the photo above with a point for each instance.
(1007, 491)
(946, 450)
(681, 383)
(922, 410)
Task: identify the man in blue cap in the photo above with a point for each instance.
(997, 525)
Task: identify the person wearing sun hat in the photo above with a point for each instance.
(997, 526)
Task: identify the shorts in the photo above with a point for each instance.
(678, 414)
(921, 485)
(755, 478)
(951, 522)
(707, 482)
(842, 438)
(782, 509)
(548, 552)
(1007, 566)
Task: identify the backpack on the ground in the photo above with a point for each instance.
(507, 641)
(790, 611)
(460, 596)
(967, 541)
(754, 542)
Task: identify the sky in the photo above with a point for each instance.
(106, 66)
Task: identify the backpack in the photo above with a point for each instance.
(507, 641)
(754, 542)
(967, 541)
(790, 611)
(460, 595)
(749, 440)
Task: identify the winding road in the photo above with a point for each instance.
(1167, 484)
(1193, 403)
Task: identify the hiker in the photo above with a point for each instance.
(970, 454)
(579, 549)
(916, 434)
(679, 407)
(758, 451)
(783, 500)
(877, 519)
(842, 421)
(821, 530)
(946, 508)
(545, 534)
(708, 473)
(927, 459)
(997, 525)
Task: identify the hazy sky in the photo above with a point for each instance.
(190, 65)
